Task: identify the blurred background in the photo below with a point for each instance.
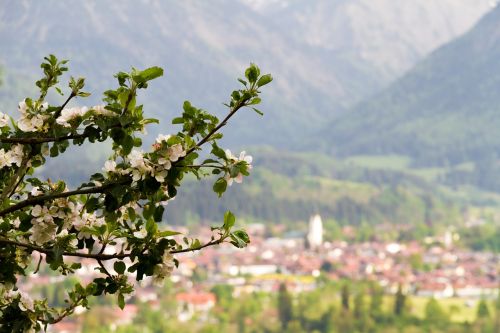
(374, 200)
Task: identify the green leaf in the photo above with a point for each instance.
(167, 233)
(196, 244)
(178, 120)
(264, 79)
(240, 238)
(151, 227)
(252, 73)
(121, 301)
(127, 144)
(59, 91)
(110, 202)
(229, 220)
(158, 214)
(148, 74)
(258, 111)
(220, 186)
(123, 97)
(119, 267)
(217, 151)
(91, 204)
(255, 101)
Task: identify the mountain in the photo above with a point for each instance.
(444, 112)
(326, 55)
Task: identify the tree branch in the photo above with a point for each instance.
(42, 198)
(58, 112)
(16, 179)
(67, 311)
(211, 243)
(101, 256)
(37, 140)
(218, 127)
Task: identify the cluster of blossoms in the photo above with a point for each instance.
(232, 161)
(83, 222)
(156, 165)
(70, 114)
(10, 157)
(21, 300)
(44, 218)
(33, 121)
(25, 301)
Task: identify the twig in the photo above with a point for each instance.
(14, 183)
(42, 198)
(58, 112)
(101, 256)
(68, 310)
(38, 265)
(42, 140)
(217, 128)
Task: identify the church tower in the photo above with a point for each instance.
(315, 234)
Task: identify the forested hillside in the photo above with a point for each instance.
(289, 188)
(443, 112)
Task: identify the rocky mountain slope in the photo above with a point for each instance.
(443, 112)
(325, 55)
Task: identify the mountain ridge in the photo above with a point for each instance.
(315, 50)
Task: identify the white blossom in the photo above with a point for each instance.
(64, 233)
(162, 137)
(141, 234)
(35, 191)
(165, 163)
(88, 220)
(230, 156)
(22, 107)
(137, 160)
(16, 222)
(42, 231)
(109, 166)
(4, 119)
(138, 164)
(31, 123)
(102, 111)
(70, 114)
(136, 175)
(175, 152)
(37, 211)
(17, 155)
(238, 179)
(160, 176)
(25, 302)
(246, 158)
(4, 158)
(234, 160)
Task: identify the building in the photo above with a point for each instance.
(315, 234)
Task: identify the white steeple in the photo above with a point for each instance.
(315, 234)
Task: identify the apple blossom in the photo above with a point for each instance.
(4, 120)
